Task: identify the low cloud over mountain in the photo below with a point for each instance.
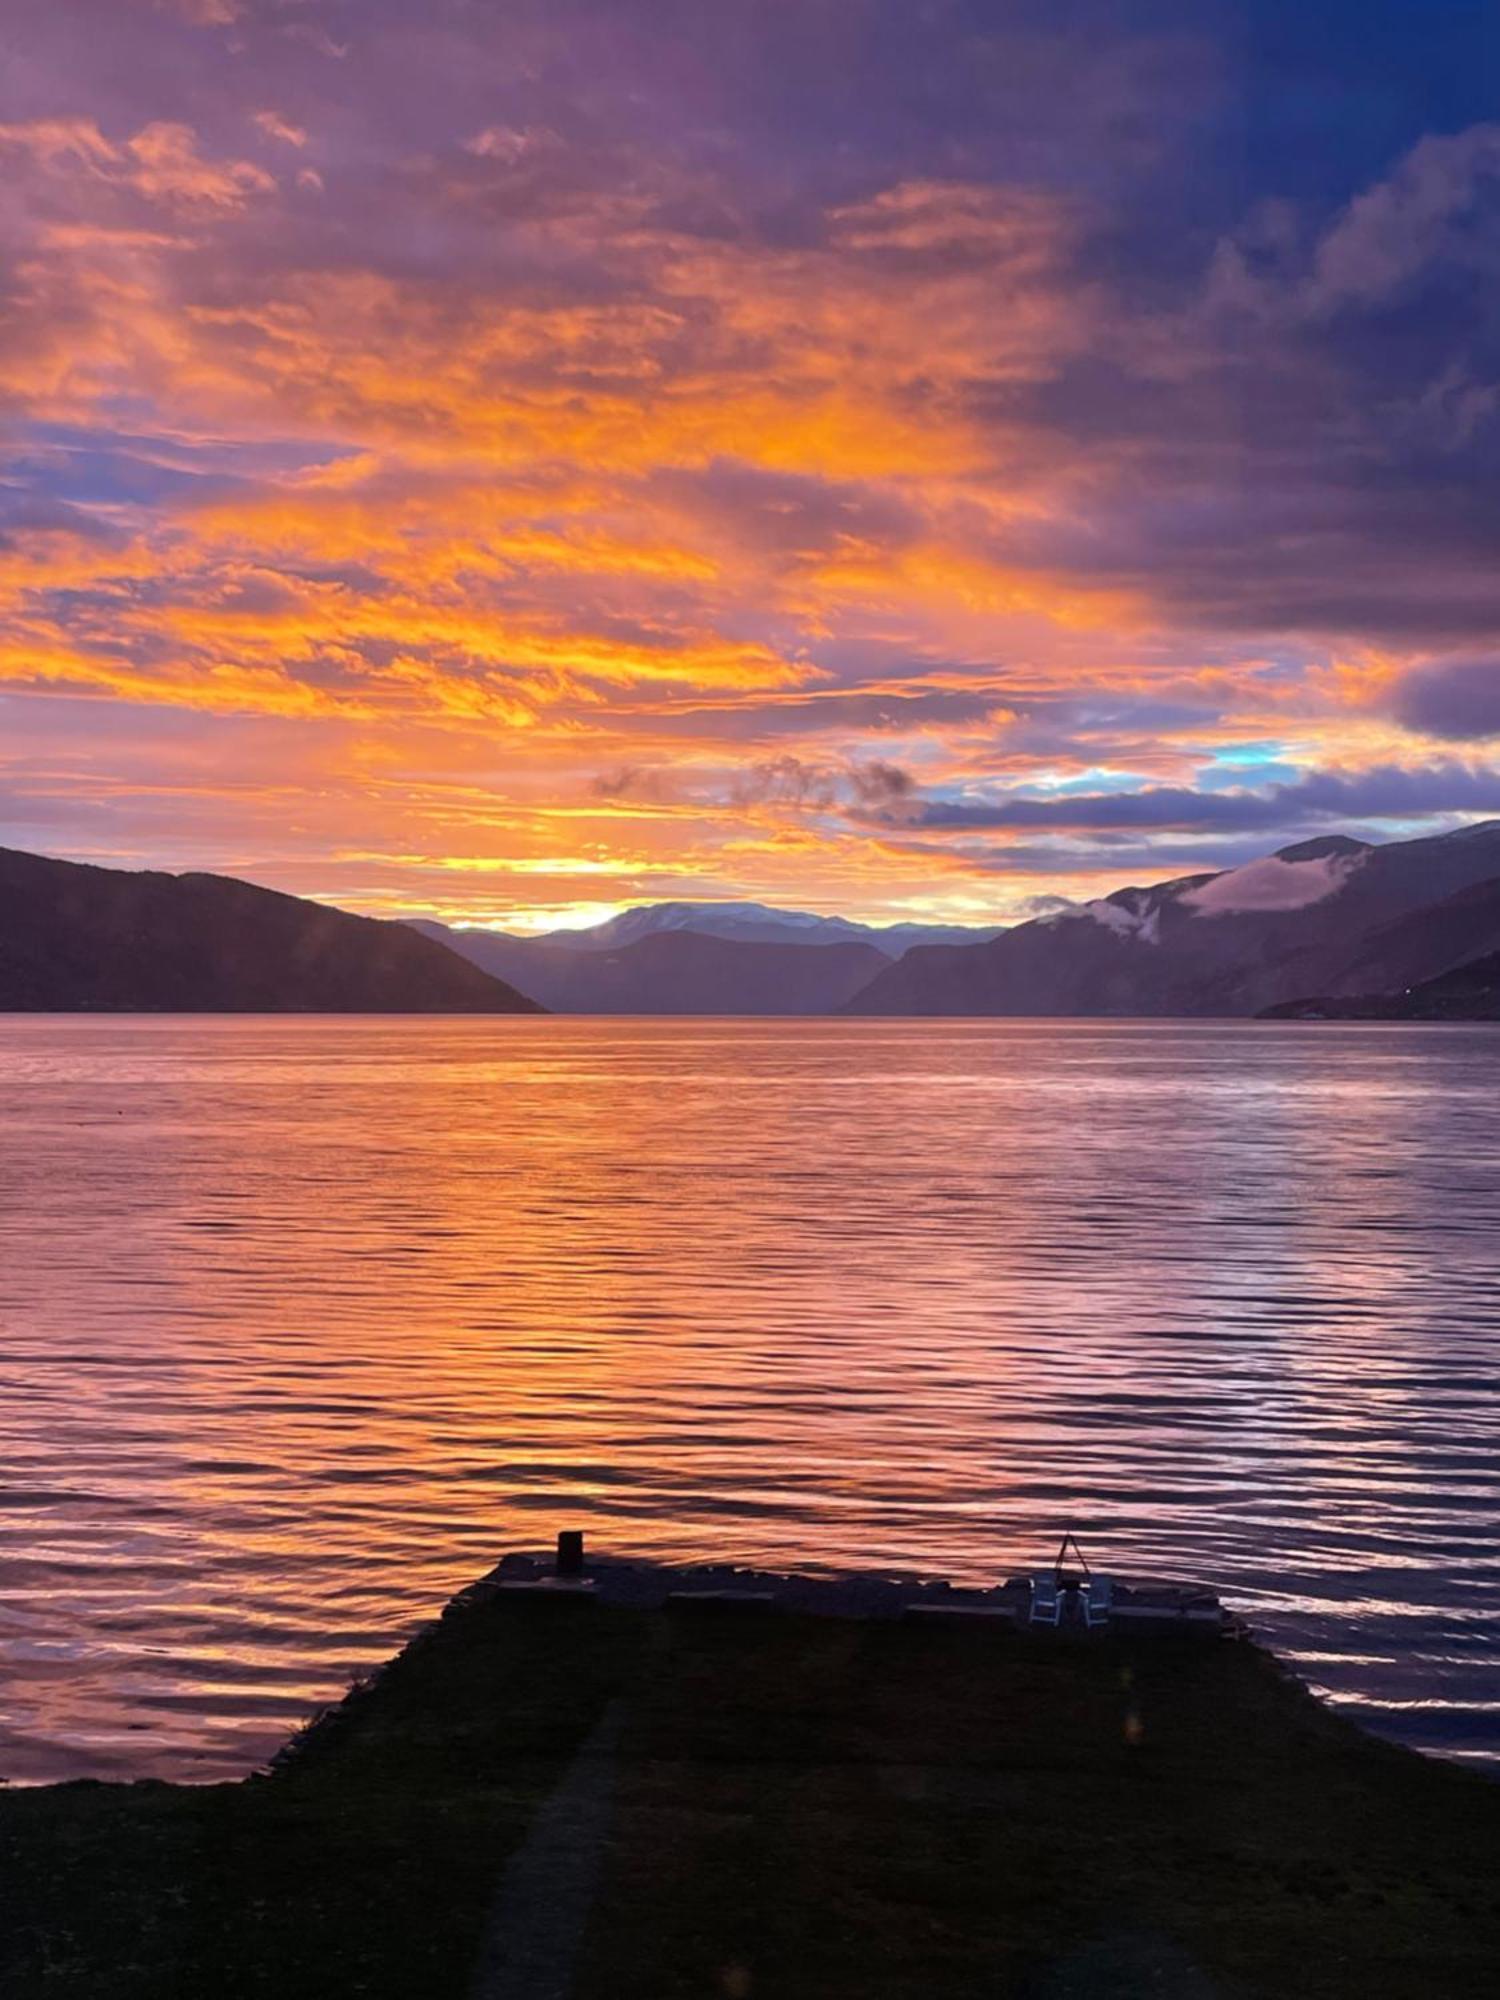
(1329, 916)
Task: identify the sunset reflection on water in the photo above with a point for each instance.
(305, 1322)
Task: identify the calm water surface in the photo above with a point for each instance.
(303, 1323)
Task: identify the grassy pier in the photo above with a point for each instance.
(620, 1801)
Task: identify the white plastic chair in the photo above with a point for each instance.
(1046, 1599)
(1098, 1601)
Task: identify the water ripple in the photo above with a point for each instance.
(303, 1322)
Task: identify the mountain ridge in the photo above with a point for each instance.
(79, 938)
(1343, 919)
(674, 972)
(1305, 919)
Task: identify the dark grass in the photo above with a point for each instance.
(365, 1865)
(802, 1807)
(875, 1810)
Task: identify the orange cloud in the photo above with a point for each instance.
(276, 127)
(458, 474)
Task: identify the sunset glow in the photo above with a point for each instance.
(511, 463)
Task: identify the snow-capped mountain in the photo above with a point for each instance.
(758, 923)
(1329, 916)
(696, 958)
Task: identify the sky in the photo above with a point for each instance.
(513, 459)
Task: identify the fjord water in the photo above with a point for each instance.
(304, 1322)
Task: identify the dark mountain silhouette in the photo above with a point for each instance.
(1370, 931)
(1331, 916)
(673, 972)
(79, 938)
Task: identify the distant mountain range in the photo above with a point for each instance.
(698, 958)
(673, 972)
(1330, 928)
(1333, 917)
(758, 923)
(75, 938)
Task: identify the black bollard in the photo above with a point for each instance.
(570, 1553)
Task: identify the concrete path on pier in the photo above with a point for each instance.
(535, 1931)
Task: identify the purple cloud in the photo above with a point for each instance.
(1384, 792)
(1458, 700)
